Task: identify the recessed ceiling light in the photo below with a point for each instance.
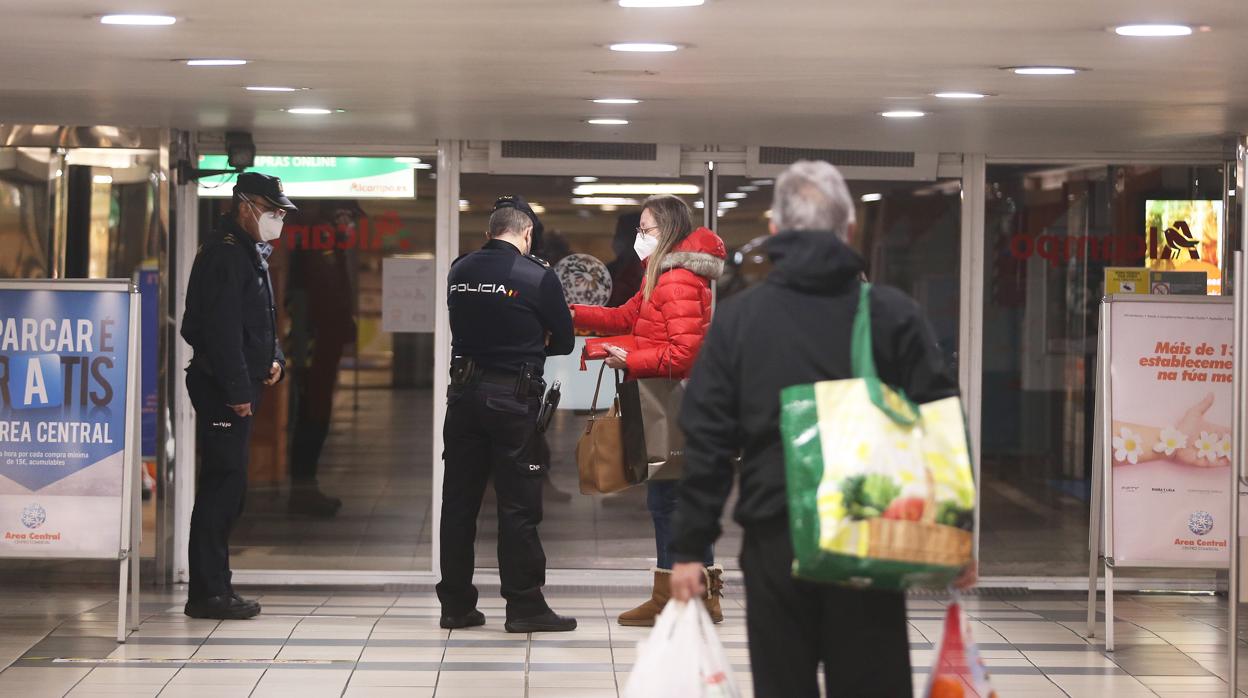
(311, 111)
(604, 201)
(747, 187)
(267, 88)
(102, 179)
(735, 195)
(407, 159)
(727, 204)
(1043, 70)
(1153, 30)
(637, 188)
(616, 100)
(661, 3)
(607, 122)
(537, 208)
(138, 20)
(959, 95)
(584, 180)
(644, 47)
(903, 114)
(422, 166)
(215, 62)
(868, 198)
(763, 182)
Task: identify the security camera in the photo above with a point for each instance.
(240, 150)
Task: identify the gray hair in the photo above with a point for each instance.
(509, 220)
(812, 195)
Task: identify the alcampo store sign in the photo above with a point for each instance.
(320, 177)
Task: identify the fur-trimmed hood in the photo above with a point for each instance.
(702, 253)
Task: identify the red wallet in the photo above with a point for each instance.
(596, 347)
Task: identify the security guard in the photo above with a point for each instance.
(231, 324)
(507, 313)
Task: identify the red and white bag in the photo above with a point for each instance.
(682, 658)
(958, 671)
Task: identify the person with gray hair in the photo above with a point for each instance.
(812, 195)
(793, 329)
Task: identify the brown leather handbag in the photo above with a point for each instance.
(602, 460)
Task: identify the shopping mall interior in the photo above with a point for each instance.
(1002, 159)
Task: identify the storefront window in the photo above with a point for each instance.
(341, 468)
(1050, 232)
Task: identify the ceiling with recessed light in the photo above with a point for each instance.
(793, 72)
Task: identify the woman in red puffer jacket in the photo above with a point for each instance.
(667, 319)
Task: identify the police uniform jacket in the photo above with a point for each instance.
(230, 318)
(507, 309)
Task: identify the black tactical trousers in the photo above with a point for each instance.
(222, 440)
(491, 433)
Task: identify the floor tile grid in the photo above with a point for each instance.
(1061, 658)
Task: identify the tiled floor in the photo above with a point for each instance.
(356, 644)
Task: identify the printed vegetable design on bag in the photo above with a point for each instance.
(893, 476)
(880, 490)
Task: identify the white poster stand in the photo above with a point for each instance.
(1183, 554)
(66, 490)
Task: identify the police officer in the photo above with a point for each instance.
(507, 314)
(231, 324)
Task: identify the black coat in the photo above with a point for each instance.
(507, 309)
(230, 319)
(793, 329)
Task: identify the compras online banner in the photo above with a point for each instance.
(63, 361)
(1170, 374)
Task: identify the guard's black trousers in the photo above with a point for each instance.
(490, 433)
(222, 439)
(859, 636)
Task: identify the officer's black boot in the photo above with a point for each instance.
(472, 619)
(223, 607)
(548, 622)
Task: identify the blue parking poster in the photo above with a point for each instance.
(63, 363)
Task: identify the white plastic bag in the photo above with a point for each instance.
(682, 658)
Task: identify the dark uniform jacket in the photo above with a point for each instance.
(507, 309)
(792, 329)
(230, 319)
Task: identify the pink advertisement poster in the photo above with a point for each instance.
(1170, 446)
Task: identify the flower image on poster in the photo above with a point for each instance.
(1185, 235)
(1170, 432)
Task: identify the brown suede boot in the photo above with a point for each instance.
(643, 616)
(714, 591)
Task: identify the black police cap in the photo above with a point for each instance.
(256, 184)
(517, 202)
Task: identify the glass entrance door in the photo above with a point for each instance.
(909, 232)
(341, 472)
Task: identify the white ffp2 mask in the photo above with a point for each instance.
(270, 226)
(645, 246)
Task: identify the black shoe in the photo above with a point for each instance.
(308, 500)
(472, 619)
(250, 603)
(548, 622)
(223, 607)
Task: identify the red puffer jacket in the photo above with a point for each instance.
(668, 329)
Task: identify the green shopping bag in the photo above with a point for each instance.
(880, 490)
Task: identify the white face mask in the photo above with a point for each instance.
(269, 225)
(645, 246)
